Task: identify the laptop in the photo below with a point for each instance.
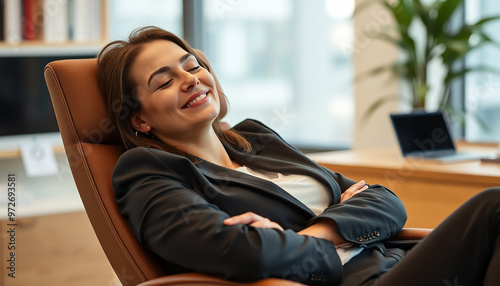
(427, 135)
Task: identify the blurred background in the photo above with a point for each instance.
(291, 64)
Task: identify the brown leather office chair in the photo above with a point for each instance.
(92, 146)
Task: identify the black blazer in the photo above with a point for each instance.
(176, 209)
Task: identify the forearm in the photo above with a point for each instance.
(373, 215)
(324, 229)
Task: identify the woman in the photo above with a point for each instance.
(242, 204)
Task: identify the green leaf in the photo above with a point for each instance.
(373, 72)
(395, 68)
(459, 115)
(462, 72)
(444, 10)
(455, 113)
(390, 39)
(483, 21)
(423, 13)
(403, 12)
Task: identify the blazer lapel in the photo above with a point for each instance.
(227, 176)
(285, 160)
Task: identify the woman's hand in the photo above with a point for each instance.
(353, 190)
(252, 219)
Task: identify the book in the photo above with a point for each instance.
(30, 26)
(86, 24)
(12, 21)
(2, 20)
(55, 21)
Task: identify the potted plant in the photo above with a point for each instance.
(423, 33)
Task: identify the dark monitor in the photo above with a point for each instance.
(24, 97)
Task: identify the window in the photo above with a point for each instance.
(127, 15)
(286, 63)
(482, 92)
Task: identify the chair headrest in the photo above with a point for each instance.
(77, 80)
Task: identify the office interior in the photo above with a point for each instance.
(291, 64)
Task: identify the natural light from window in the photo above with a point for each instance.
(286, 63)
(482, 94)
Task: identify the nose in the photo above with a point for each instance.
(190, 81)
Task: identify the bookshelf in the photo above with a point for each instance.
(54, 27)
(50, 28)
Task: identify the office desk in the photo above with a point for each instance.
(430, 190)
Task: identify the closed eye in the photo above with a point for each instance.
(195, 69)
(165, 84)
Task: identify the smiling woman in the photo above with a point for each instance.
(151, 73)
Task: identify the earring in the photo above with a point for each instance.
(145, 134)
(137, 133)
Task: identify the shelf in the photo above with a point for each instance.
(43, 49)
(16, 153)
(10, 145)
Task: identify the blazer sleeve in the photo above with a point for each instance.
(374, 215)
(179, 224)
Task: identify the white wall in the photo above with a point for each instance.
(370, 53)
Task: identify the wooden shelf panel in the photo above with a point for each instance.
(40, 49)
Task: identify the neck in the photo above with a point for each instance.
(206, 146)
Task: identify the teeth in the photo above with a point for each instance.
(197, 99)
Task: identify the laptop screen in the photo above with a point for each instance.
(422, 133)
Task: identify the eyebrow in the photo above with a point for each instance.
(166, 69)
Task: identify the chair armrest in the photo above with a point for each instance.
(412, 233)
(200, 279)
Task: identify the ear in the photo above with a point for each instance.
(138, 123)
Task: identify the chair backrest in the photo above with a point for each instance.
(92, 145)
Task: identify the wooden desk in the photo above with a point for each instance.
(430, 191)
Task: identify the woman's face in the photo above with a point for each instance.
(178, 96)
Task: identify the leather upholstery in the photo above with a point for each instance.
(92, 146)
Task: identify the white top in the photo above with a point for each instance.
(311, 193)
(304, 188)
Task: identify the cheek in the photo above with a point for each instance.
(158, 103)
(208, 79)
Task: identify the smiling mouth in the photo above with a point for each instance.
(195, 99)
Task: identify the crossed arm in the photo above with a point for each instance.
(323, 228)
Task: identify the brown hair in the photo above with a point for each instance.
(114, 63)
